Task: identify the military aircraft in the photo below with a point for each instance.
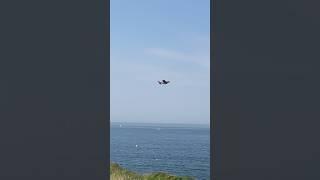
(163, 82)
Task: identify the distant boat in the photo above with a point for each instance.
(120, 125)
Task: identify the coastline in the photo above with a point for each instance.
(119, 173)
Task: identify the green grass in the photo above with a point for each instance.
(119, 173)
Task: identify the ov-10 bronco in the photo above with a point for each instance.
(163, 82)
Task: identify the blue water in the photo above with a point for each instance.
(177, 149)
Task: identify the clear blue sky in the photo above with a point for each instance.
(160, 39)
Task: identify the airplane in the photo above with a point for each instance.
(163, 82)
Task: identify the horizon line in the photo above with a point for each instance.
(161, 123)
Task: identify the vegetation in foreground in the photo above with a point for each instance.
(120, 173)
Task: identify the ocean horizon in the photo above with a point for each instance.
(154, 124)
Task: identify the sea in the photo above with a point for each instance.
(177, 149)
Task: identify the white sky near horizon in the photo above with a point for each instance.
(155, 40)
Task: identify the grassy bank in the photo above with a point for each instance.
(119, 173)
